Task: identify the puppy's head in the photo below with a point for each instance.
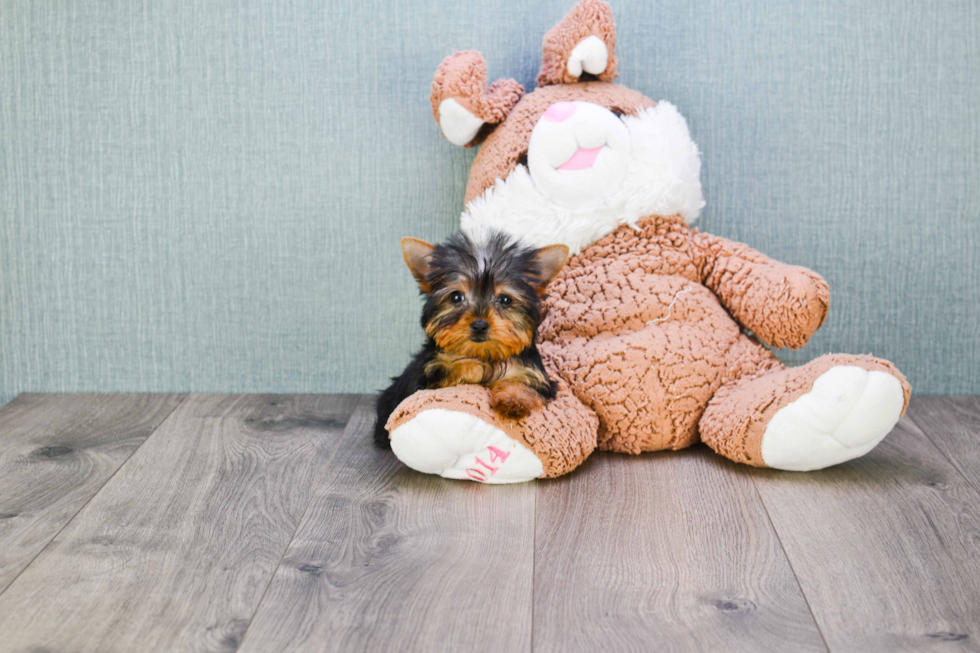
(483, 300)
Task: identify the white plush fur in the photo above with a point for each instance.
(662, 178)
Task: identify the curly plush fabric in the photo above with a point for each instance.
(782, 304)
(587, 18)
(642, 340)
(463, 77)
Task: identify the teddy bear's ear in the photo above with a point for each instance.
(461, 101)
(582, 45)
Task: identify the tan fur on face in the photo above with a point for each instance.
(506, 337)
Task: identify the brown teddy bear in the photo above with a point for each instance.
(646, 327)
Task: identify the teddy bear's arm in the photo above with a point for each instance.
(781, 304)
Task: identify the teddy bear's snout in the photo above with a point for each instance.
(578, 153)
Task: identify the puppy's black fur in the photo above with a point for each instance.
(482, 303)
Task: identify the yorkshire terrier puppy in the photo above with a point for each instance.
(481, 315)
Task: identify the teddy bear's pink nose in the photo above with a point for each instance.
(560, 111)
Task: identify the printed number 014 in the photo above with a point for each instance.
(481, 475)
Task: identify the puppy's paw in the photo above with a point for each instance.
(513, 400)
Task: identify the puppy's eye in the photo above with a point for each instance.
(505, 300)
(457, 297)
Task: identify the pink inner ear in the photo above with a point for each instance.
(560, 111)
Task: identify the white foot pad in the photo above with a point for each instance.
(846, 414)
(458, 445)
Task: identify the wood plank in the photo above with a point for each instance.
(953, 425)
(56, 452)
(176, 550)
(886, 547)
(669, 551)
(388, 559)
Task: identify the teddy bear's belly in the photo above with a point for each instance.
(646, 356)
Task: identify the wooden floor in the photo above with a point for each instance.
(269, 523)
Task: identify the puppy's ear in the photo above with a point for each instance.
(418, 254)
(550, 260)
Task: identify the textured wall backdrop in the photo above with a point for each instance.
(209, 196)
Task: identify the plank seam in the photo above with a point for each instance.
(306, 510)
(180, 401)
(789, 562)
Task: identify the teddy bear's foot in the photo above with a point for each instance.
(456, 433)
(458, 445)
(827, 412)
(846, 414)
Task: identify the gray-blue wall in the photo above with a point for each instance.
(209, 195)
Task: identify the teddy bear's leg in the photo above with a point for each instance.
(833, 409)
(453, 432)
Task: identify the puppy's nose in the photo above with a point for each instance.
(479, 327)
(560, 111)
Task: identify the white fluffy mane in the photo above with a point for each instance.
(663, 178)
